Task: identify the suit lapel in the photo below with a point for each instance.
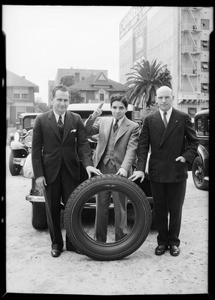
(67, 125)
(158, 123)
(122, 129)
(107, 130)
(173, 122)
(53, 123)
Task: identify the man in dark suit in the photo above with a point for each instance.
(169, 135)
(58, 137)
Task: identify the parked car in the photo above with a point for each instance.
(20, 142)
(200, 167)
(36, 196)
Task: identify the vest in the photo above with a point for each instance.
(109, 151)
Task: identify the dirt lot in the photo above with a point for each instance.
(31, 269)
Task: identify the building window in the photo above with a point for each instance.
(101, 97)
(16, 96)
(205, 88)
(24, 96)
(205, 45)
(204, 66)
(205, 24)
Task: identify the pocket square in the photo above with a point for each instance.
(73, 130)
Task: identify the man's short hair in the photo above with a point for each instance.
(60, 87)
(118, 97)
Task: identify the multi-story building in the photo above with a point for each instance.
(20, 96)
(179, 37)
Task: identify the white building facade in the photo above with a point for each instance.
(179, 37)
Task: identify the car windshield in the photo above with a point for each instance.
(85, 114)
(202, 125)
(28, 122)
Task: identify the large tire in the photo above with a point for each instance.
(199, 174)
(121, 248)
(14, 169)
(39, 220)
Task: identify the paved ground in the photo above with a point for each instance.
(31, 269)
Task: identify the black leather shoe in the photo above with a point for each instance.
(160, 249)
(174, 250)
(55, 253)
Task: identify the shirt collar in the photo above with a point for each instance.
(168, 113)
(120, 121)
(57, 116)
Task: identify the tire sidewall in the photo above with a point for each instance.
(119, 249)
(199, 185)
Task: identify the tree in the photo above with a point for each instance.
(67, 80)
(40, 106)
(143, 82)
(75, 96)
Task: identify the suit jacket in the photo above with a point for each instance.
(179, 139)
(48, 149)
(125, 144)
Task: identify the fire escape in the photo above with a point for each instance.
(190, 67)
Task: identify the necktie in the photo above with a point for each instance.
(164, 119)
(60, 125)
(115, 126)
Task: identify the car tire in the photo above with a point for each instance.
(39, 220)
(14, 169)
(102, 251)
(199, 174)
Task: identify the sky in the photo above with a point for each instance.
(42, 39)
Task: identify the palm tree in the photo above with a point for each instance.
(143, 82)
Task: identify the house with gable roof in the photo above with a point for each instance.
(96, 88)
(20, 96)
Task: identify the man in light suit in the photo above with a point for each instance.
(57, 136)
(170, 134)
(114, 154)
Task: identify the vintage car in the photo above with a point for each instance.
(200, 167)
(20, 142)
(36, 196)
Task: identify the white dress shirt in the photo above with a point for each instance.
(119, 121)
(168, 114)
(57, 116)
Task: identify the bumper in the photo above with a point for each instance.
(19, 161)
(33, 198)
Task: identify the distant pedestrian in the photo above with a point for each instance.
(170, 135)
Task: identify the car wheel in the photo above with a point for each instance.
(39, 220)
(199, 174)
(141, 220)
(14, 169)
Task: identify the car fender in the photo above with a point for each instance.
(203, 153)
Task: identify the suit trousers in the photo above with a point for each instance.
(103, 200)
(57, 192)
(168, 201)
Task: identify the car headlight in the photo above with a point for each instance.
(28, 141)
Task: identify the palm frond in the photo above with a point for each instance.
(143, 81)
